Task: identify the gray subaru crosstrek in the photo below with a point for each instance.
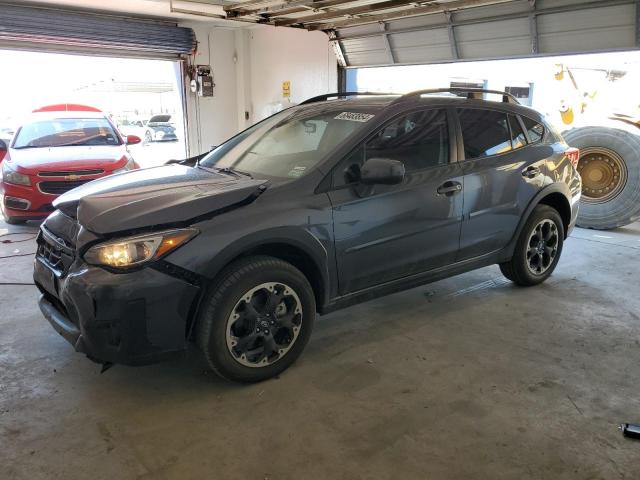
(341, 199)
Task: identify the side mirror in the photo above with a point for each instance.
(133, 139)
(382, 171)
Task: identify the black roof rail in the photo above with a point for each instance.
(506, 97)
(327, 96)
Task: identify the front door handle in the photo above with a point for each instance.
(449, 188)
(531, 172)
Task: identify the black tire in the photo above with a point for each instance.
(517, 269)
(221, 302)
(624, 207)
(15, 220)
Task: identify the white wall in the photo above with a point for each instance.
(211, 120)
(287, 54)
(249, 65)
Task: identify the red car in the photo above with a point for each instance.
(61, 147)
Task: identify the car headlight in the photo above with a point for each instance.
(11, 176)
(134, 251)
(129, 166)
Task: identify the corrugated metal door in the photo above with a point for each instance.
(56, 30)
(514, 29)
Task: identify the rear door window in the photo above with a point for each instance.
(484, 132)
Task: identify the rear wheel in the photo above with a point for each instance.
(609, 166)
(538, 248)
(257, 319)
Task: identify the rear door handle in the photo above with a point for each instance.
(531, 172)
(449, 188)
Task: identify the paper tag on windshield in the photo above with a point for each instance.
(355, 117)
(296, 172)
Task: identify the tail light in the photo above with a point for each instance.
(3, 150)
(573, 154)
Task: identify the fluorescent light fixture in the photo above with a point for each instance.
(194, 7)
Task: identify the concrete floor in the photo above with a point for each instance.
(468, 378)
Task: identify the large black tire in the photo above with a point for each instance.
(517, 269)
(13, 220)
(220, 304)
(624, 207)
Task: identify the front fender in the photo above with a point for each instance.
(298, 238)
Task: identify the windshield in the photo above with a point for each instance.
(61, 132)
(288, 144)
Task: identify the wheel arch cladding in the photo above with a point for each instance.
(297, 257)
(559, 202)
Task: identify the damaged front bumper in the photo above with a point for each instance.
(132, 318)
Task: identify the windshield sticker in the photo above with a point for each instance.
(355, 117)
(296, 172)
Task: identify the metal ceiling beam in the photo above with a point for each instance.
(533, 27)
(251, 4)
(334, 41)
(452, 36)
(286, 8)
(637, 23)
(410, 12)
(387, 45)
(374, 7)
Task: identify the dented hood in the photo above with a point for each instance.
(155, 196)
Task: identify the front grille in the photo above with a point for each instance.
(58, 188)
(71, 172)
(52, 255)
(54, 252)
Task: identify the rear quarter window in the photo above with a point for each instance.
(535, 129)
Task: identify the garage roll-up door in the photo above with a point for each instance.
(60, 30)
(505, 30)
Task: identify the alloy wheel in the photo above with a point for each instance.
(542, 247)
(264, 324)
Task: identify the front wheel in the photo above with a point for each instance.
(538, 248)
(257, 319)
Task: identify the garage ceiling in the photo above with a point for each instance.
(401, 32)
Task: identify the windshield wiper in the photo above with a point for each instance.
(233, 171)
(30, 146)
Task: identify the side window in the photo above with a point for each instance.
(418, 139)
(534, 129)
(517, 135)
(485, 132)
